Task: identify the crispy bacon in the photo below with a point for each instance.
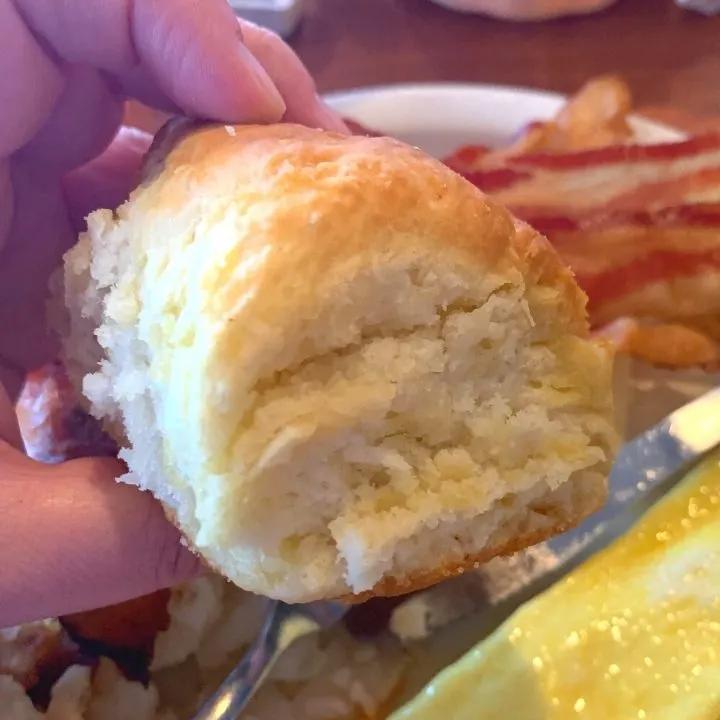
(502, 178)
(466, 159)
(617, 177)
(639, 225)
(705, 216)
(125, 632)
(701, 187)
(664, 264)
(596, 116)
(658, 268)
(693, 147)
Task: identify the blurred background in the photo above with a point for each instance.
(669, 55)
(642, 235)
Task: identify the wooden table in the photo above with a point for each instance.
(670, 57)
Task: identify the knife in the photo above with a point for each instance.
(645, 470)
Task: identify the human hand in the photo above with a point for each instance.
(70, 537)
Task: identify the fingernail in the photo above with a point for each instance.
(327, 119)
(275, 105)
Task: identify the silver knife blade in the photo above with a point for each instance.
(645, 470)
(650, 460)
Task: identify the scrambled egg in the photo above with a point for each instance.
(633, 634)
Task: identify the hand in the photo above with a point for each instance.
(70, 537)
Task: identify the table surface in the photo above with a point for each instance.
(670, 57)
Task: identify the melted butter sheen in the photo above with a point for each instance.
(634, 633)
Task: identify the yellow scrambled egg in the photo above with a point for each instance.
(633, 634)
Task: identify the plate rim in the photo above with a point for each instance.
(339, 97)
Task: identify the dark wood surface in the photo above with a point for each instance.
(670, 57)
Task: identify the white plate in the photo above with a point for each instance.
(440, 117)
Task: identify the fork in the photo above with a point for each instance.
(283, 625)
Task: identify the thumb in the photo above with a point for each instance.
(72, 538)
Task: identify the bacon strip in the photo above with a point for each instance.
(655, 268)
(618, 177)
(639, 225)
(699, 145)
(662, 344)
(595, 116)
(467, 159)
(701, 215)
(125, 632)
(664, 265)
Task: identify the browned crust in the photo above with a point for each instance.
(391, 587)
(425, 194)
(562, 518)
(562, 521)
(450, 217)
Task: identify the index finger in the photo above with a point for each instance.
(189, 51)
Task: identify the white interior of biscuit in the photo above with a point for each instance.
(398, 429)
